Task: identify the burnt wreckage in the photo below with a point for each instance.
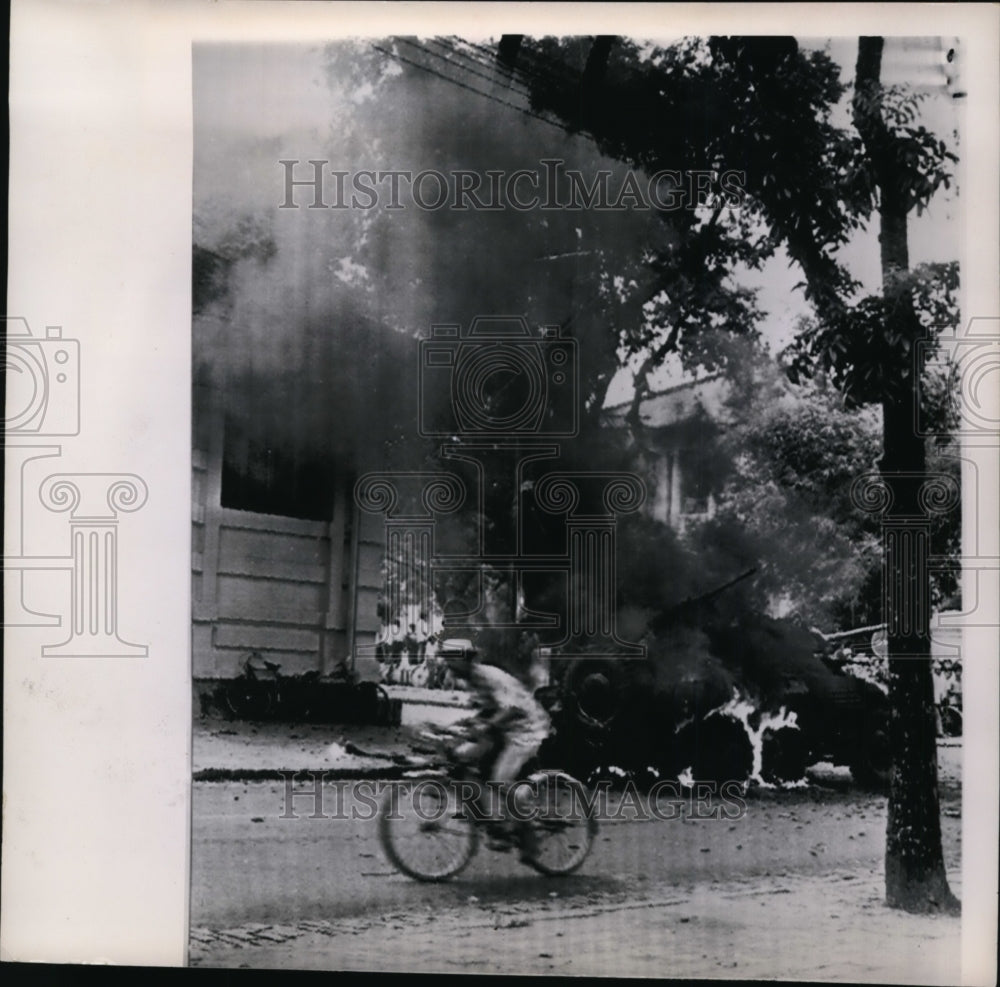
(710, 686)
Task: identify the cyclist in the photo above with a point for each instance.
(507, 710)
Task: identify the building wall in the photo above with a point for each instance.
(671, 471)
(297, 591)
(675, 424)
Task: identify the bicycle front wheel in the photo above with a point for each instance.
(563, 825)
(425, 831)
(249, 700)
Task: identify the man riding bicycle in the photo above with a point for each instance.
(512, 721)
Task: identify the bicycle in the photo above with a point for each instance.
(263, 693)
(434, 833)
(255, 694)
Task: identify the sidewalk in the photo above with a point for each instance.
(818, 928)
(226, 749)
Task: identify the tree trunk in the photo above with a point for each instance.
(914, 862)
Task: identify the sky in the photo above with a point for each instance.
(934, 236)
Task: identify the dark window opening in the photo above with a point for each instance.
(266, 478)
(696, 486)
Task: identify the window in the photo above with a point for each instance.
(696, 486)
(268, 478)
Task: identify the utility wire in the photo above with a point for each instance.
(553, 75)
(520, 70)
(489, 74)
(548, 75)
(479, 92)
(530, 66)
(463, 85)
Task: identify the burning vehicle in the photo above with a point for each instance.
(746, 698)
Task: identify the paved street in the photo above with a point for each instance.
(259, 881)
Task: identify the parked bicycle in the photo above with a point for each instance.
(261, 692)
(432, 829)
(256, 693)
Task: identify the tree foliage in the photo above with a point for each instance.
(863, 352)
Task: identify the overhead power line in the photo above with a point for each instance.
(483, 70)
(469, 86)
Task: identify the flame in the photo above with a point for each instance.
(602, 771)
(686, 777)
(740, 708)
(687, 721)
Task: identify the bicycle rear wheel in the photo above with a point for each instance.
(563, 826)
(425, 831)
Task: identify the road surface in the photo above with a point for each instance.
(261, 882)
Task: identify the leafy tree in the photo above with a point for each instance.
(789, 455)
(764, 105)
(793, 452)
